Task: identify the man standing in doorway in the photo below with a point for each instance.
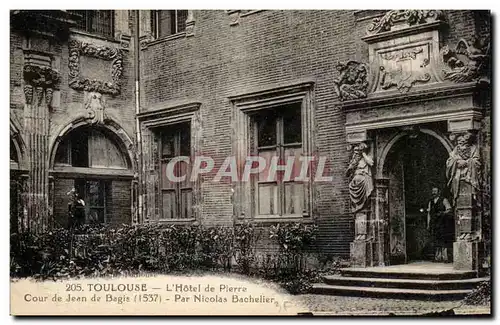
(440, 227)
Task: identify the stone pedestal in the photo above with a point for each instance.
(370, 245)
(361, 247)
(362, 253)
(468, 246)
(467, 255)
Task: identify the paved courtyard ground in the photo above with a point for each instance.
(340, 305)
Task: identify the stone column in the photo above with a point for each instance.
(381, 222)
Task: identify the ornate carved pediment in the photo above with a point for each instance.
(77, 82)
(399, 19)
(352, 82)
(404, 50)
(466, 61)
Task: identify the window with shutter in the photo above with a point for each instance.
(176, 197)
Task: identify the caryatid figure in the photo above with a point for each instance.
(361, 184)
(463, 165)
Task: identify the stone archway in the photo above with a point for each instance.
(124, 141)
(413, 162)
(97, 160)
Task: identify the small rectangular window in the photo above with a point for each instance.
(168, 22)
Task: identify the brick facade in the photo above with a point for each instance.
(225, 54)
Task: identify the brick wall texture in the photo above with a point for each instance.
(264, 49)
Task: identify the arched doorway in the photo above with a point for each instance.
(94, 161)
(414, 163)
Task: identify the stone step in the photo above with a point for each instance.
(394, 293)
(403, 283)
(395, 273)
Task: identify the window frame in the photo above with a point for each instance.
(105, 185)
(89, 15)
(180, 186)
(247, 104)
(152, 119)
(279, 147)
(67, 145)
(155, 23)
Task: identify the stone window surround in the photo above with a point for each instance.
(147, 39)
(171, 114)
(251, 102)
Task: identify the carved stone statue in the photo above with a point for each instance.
(463, 165)
(467, 62)
(94, 104)
(361, 184)
(352, 82)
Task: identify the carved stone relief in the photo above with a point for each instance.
(352, 82)
(77, 82)
(399, 18)
(404, 73)
(42, 81)
(95, 104)
(467, 61)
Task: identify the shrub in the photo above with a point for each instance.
(98, 250)
(244, 246)
(290, 268)
(480, 295)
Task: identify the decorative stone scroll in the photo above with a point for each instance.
(77, 49)
(395, 18)
(41, 80)
(352, 82)
(466, 62)
(360, 175)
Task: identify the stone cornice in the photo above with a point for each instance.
(427, 93)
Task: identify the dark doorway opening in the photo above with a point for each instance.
(415, 164)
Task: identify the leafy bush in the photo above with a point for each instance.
(97, 250)
(480, 295)
(290, 268)
(244, 246)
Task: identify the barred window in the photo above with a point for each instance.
(99, 22)
(168, 22)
